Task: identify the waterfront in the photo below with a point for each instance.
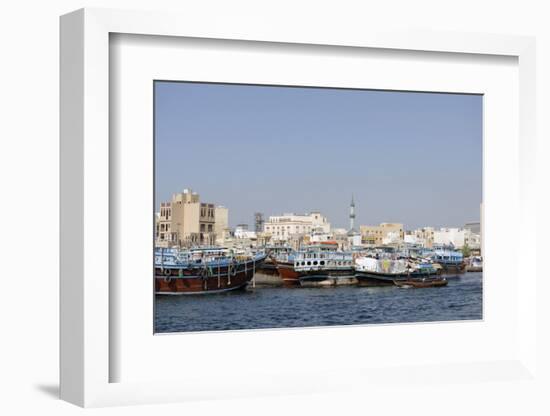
(279, 307)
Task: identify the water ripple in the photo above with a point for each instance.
(297, 307)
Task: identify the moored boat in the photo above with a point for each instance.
(285, 267)
(423, 268)
(474, 264)
(269, 266)
(375, 271)
(203, 270)
(450, 261)
(324, 268)
(317, 266)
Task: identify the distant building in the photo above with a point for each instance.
(185, 221)
(449, 236)
(473, 240)
(410, 238)
(385, 233)
(474, 227)
(242, 232)
(423, 236)
(457, 237)
(340, 235)
(371, 234)
(283, 227)
(319, 236)
(221, 224)
(393, 237)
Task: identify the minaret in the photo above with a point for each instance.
(352, 214)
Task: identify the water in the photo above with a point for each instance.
(278, 307)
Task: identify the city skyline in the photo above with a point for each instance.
(250, 223)
(413, 158)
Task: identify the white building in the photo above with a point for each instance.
(411, 238)
(457, 237)
(450, 236)
(318, 236)
(472, 239)
(242, 231)
(283, 227)
(392, 237)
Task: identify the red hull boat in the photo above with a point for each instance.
(205, 275)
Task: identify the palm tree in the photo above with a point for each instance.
(466, 251)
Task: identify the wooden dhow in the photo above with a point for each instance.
(450, 260)
(203, 270)
(316, 267)
(375, 271)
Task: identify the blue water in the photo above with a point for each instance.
(278, 307)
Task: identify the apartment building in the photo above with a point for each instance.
(385, 233)
(185, 221)
(283, 227)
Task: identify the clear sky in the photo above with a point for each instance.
(414, 158)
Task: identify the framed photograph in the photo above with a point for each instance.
(274, 212)
(411, 156)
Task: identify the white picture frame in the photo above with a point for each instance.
(87, 356)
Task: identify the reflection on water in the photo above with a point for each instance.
(278, 307)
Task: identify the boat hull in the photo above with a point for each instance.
(421, 283)
(269, 267)
(323, 278)
(452, 268)
(314, 278)
(196, 280)
(378, 279)
(288, 275)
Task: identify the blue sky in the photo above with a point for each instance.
(414, 158)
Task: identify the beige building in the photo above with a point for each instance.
(221, 224)
(425, 236)
(385, 233)
(371, 234)
(185, 221)
(287, 226)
